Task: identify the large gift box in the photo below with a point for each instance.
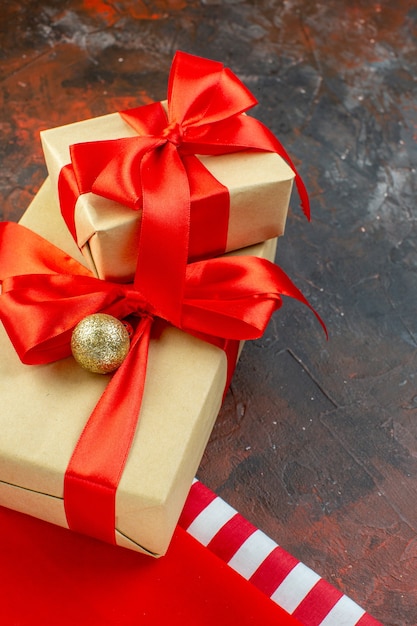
(196, 162)
(44, 409)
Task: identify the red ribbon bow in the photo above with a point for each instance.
(45, 293)
(206, 106)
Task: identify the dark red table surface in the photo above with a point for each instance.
(317, 441)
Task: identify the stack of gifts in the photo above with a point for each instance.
(146, 256)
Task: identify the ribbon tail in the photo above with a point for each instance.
(287, 288)
(256, 135)
(99, 458)
(301, 188)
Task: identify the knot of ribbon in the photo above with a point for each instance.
(206, 103)
(173, 133)
(45, 293)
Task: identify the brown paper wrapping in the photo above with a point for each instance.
(259, 185)
(44, 408)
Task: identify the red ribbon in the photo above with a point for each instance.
(206, 106)
(45, 293)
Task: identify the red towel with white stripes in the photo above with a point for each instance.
(288, 582)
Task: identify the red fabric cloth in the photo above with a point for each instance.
(51, 576)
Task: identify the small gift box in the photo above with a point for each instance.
(194, 175)
(49, 418)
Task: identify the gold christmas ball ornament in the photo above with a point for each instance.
(100, 343)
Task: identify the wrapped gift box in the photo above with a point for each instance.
(108, 232)
(238, 184)
(45, 407)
